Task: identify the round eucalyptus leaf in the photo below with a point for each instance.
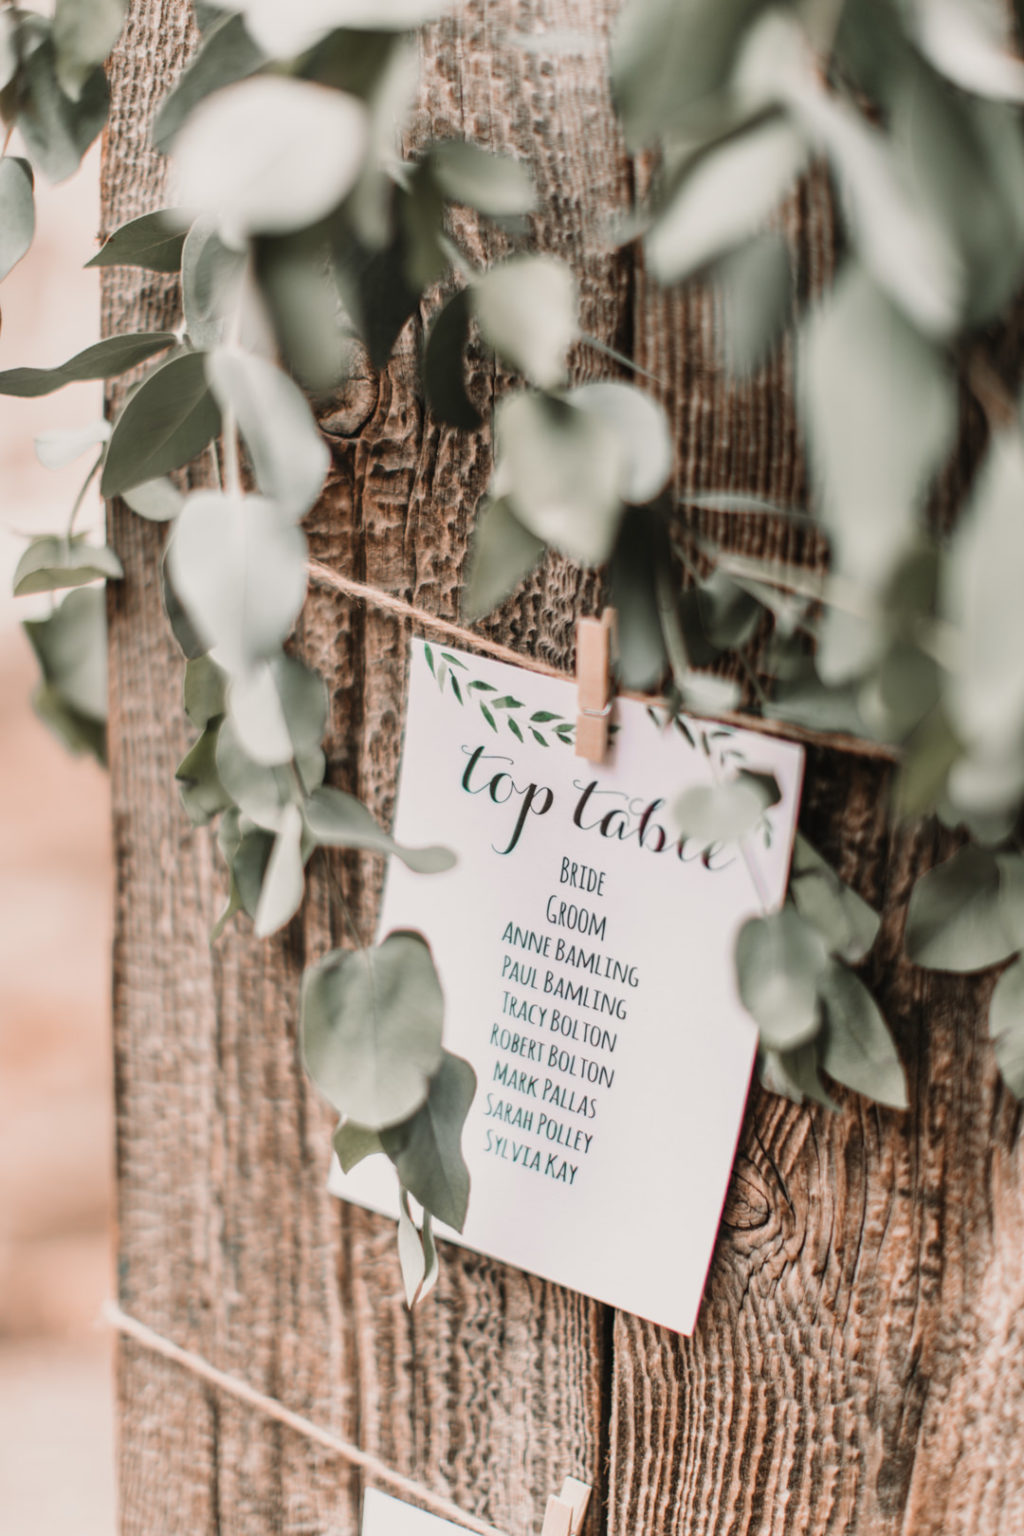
(779, 962)
(238, 565)
(955, 921)
(857, 1048)
(729, 189)
(719, 813)
(335, 819)
(502, 553)
(84, 32)
(526, 309)
(269, 154)
(972, 45)
(50, 564)
(289, 456)
(284, 882)
(17, 211)
(261, 793)
(981, 599)
(71, 646)
(149, 241)
(845, 921)
(492, 184)
(159, 501)
(648, 452)
(167, 421)
(560, 469)
(283, 31)
(279, 709)
(426, 1150)
(57, 448)
(371, 1029)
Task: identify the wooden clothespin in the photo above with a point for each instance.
(594, 640)
(566, 1510)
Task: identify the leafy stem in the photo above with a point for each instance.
(80, 498)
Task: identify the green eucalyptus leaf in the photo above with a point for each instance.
(420, 212)
(190, 642)
(103, 360)
(52, 563)
(169, 419)
(728, 613)
(981, 599)
(71, 646)
(526, 309)
(720, 813)
(444, 375)
(278, 709)
(57, 130)
(641, 550)
(57, 448)
(967, 158)
(269, 154)
(238, 565)
(76, 732)
(857, 1048)
(426, 1150)
(210, 276)
(956, 920)
(158, 500)
(249, 868)
(795, 1074)
(727, 191)
(204, 691)
(1006, 1026)
(335, 819)
(971, 44)
(284, 881)
(353, 1143)
(17, 211)
(371, 1029)
(226, 55)
(495, 185)
(844, 919)
(417, 1255)
(289, 456)
(670, 61)
(879, 406)
(501, 555)
(262, 793)
(640, 423)
(895, 231)
(780, 960)
(560, 469)
(84, 32)
(755, 281)
(284, 31)
(148, 241)
(199, 786)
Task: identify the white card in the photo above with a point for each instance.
(588, 976)
(385, 1516)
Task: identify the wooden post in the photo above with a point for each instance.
(858, 1366)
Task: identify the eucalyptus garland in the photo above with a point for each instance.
(301, 233)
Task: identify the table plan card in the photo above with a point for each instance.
(385, 1516)
(585, 949)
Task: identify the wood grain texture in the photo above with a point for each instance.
(857, 1367)
(228, 1242)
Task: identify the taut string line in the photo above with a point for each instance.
(375, 597)
(271, 1408)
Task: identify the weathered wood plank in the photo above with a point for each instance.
(228, 1242)
(854, 1368)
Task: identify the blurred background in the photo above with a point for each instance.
(56, 1119)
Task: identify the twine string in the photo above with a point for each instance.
(375, 597)
(270, 1407)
